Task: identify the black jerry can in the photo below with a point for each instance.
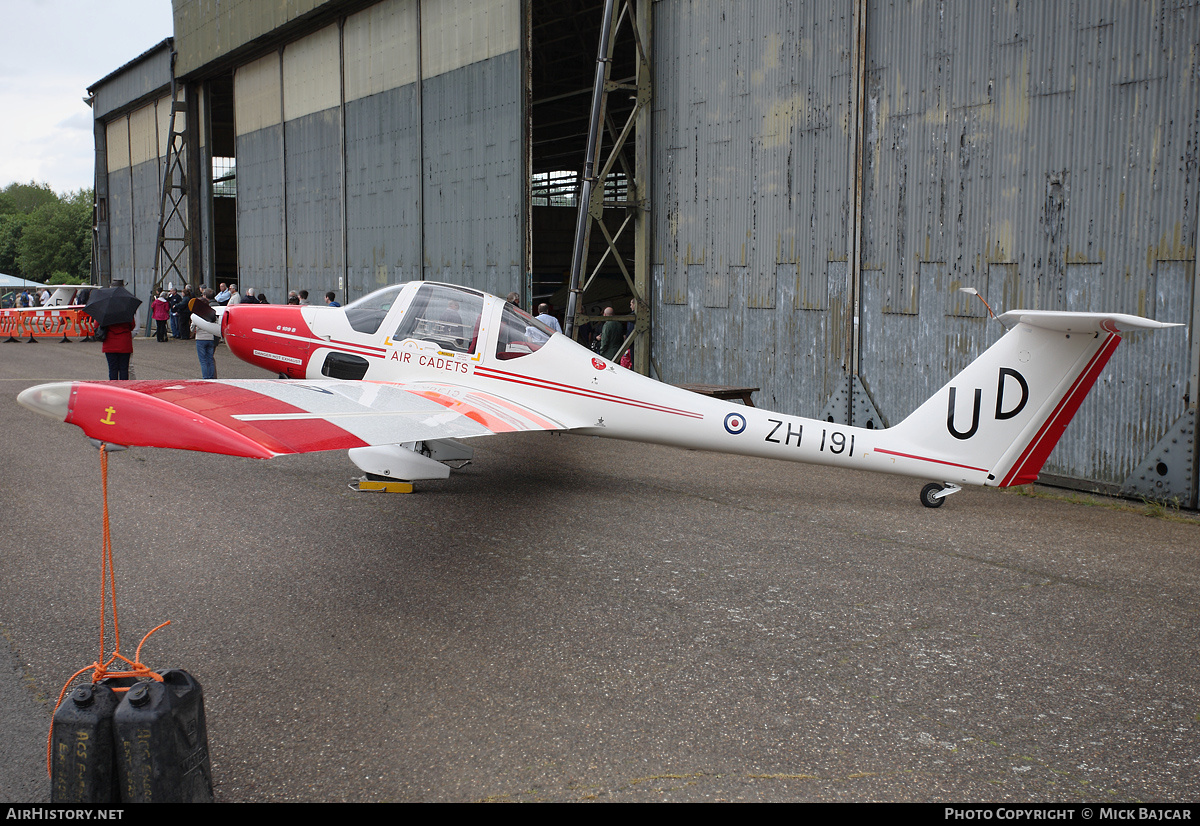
(162, 742)
(83, 756)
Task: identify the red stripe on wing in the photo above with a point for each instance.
(199, 416)
(495, 419)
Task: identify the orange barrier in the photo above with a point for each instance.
(46, 322)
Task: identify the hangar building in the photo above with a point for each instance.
(796, 190)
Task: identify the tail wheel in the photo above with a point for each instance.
(929, 497)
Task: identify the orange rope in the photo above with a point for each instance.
(108, 585)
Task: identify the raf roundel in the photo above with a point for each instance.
(735, 423)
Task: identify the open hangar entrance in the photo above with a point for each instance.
(565, 37)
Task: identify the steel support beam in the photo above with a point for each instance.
(636, 16)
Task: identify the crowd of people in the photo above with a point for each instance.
(172, 310)
(28, 299)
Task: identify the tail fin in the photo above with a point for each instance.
(1005, 412)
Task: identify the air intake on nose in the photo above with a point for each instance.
(344, 366)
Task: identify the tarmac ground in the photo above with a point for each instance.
(573, 619)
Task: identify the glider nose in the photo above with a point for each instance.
(53, 400)
(272, 336)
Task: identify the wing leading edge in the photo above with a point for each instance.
(268, 417)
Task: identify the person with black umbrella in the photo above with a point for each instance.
(113, 310)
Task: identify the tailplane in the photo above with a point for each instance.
(1005, 412)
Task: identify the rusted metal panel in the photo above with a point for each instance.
(750, 132)
(120, 217)
(147, 204)
(1043, 154)
(383, 146)
(134, 185)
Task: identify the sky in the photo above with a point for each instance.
(50, 52)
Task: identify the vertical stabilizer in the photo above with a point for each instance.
(1007, 410)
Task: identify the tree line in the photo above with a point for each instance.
(46, 237)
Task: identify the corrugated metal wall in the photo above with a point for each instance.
(135, 150)
(206, 30)
(751, 113)
(383, 146)
(1040, 153)
(1045, 154)
(381, 175)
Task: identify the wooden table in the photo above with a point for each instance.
(719, 391)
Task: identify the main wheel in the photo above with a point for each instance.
(928, 499)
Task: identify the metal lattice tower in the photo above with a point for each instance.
(592, 202)
(170, 264)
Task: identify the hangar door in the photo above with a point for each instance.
(1039, 156)
(386, 147)
(828, 175)
(135, 151)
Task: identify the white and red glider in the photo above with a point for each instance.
(402, 374)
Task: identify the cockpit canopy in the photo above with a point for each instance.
(448, 316)
(445, 315)
(367, 313)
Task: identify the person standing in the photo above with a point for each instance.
(611, 336)
(206, 345)
(173, 301)
(118, 349)
(183, 314)
(546, 317)
(160, 311)
(331, 299)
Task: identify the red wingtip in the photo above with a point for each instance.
(111, 413)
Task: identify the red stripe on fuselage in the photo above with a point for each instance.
(545, 384)
(927, 459)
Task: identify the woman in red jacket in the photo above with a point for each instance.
(160, 311)
(118, 347)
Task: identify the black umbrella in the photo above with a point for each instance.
(112, 305)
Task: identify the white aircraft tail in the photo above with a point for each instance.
(1005, 412)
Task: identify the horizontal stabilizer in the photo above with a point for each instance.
(1065, 322)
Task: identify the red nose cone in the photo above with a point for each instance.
(271, 336)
